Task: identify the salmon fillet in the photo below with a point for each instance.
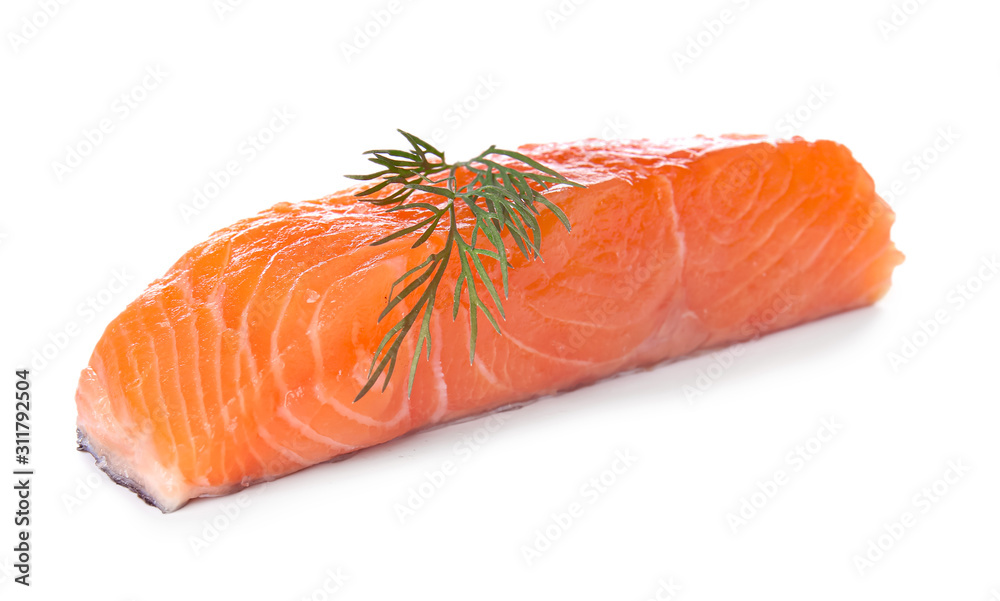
(241, 364)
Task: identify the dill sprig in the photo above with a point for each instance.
(502, 200)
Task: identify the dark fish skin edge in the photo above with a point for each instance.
(83, 444)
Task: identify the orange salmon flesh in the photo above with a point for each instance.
(241, 364)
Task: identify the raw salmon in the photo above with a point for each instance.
(241, 364)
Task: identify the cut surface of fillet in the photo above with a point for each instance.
(241, 363)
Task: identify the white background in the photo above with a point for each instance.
(609, 68)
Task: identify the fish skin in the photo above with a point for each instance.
(241, 363)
